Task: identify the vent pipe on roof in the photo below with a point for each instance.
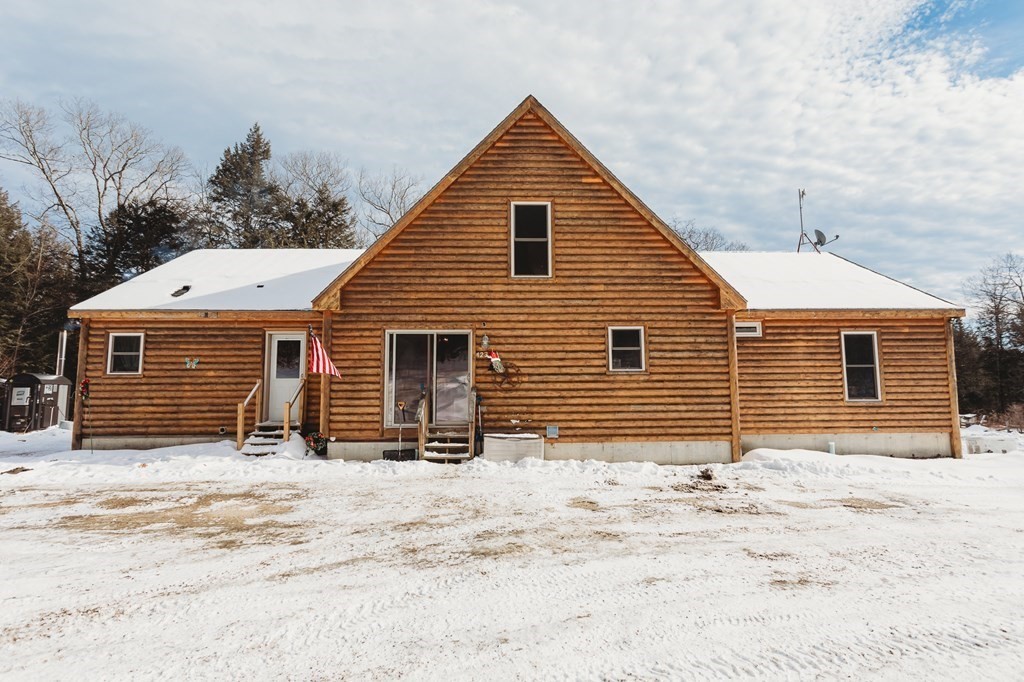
(182, 291)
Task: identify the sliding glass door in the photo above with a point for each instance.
(431, 363)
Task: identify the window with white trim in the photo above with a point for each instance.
(124, 353)
(626, 349)
(860, 366)
(748, 329)
(531, 239)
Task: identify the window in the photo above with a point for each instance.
(748, 329)
(124, 354)
(860, 366)
(531, 239)
(626, 349)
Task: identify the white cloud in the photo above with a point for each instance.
(713, 111)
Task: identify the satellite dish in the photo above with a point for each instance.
(819, 238)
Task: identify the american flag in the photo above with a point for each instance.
(319, 361)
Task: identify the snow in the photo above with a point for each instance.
(815, 281)
(197, 562)
(230, 279)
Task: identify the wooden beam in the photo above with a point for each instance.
(83, 342)
(240, 427)
(955, 445)
(734, 386)
(325, 379)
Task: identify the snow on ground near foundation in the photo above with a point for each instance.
(195, 562)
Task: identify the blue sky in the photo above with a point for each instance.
(903, 119)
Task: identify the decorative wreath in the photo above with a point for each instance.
(316, 441)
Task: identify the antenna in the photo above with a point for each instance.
(820, 239)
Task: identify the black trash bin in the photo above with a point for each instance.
(36, 401)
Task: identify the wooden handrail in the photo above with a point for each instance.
(472, 422)
(252, 393)
(240, 426)
(423, 424)
(298, 394)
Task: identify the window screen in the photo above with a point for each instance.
(531, 240)
(860, 366)
(626, 349)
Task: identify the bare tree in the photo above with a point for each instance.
(997, 296)
(705, 238)
(102, 161)
(304, 174)
(386, 198)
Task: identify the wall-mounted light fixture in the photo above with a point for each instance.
(485, 342)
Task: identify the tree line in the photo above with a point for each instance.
(108, 201)
(990, 347)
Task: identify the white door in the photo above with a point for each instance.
(285, 371)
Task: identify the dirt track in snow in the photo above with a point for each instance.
(467, 573)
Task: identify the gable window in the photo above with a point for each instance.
(531, 239)
(626, 349)
(860, 366)
(124, 354)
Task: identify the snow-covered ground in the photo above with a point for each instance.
(195, 562)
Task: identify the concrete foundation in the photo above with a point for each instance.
(911, 445)
(365, 452)
(659, 452)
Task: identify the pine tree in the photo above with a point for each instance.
(37, 271)
(249, 206)
(325, 222)
(139, 237)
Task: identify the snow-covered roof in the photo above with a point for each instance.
(230, 279)
(815, 281)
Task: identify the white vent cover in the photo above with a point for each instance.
(748, 329)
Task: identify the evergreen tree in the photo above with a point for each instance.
(973, 384)
(249, 206)
(37, 270)
(324, 222)
(138, 237)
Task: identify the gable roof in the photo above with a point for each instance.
(731, 298)
(229, 279)
(817, 281)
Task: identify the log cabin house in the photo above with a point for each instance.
(616, 340)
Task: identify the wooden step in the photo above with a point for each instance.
(279, 434)
(446, 446)
(262, 439)
(445, 456)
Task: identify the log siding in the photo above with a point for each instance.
(791, 378)
(169, 399)
(450, 269)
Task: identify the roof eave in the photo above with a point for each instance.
(857, 312)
